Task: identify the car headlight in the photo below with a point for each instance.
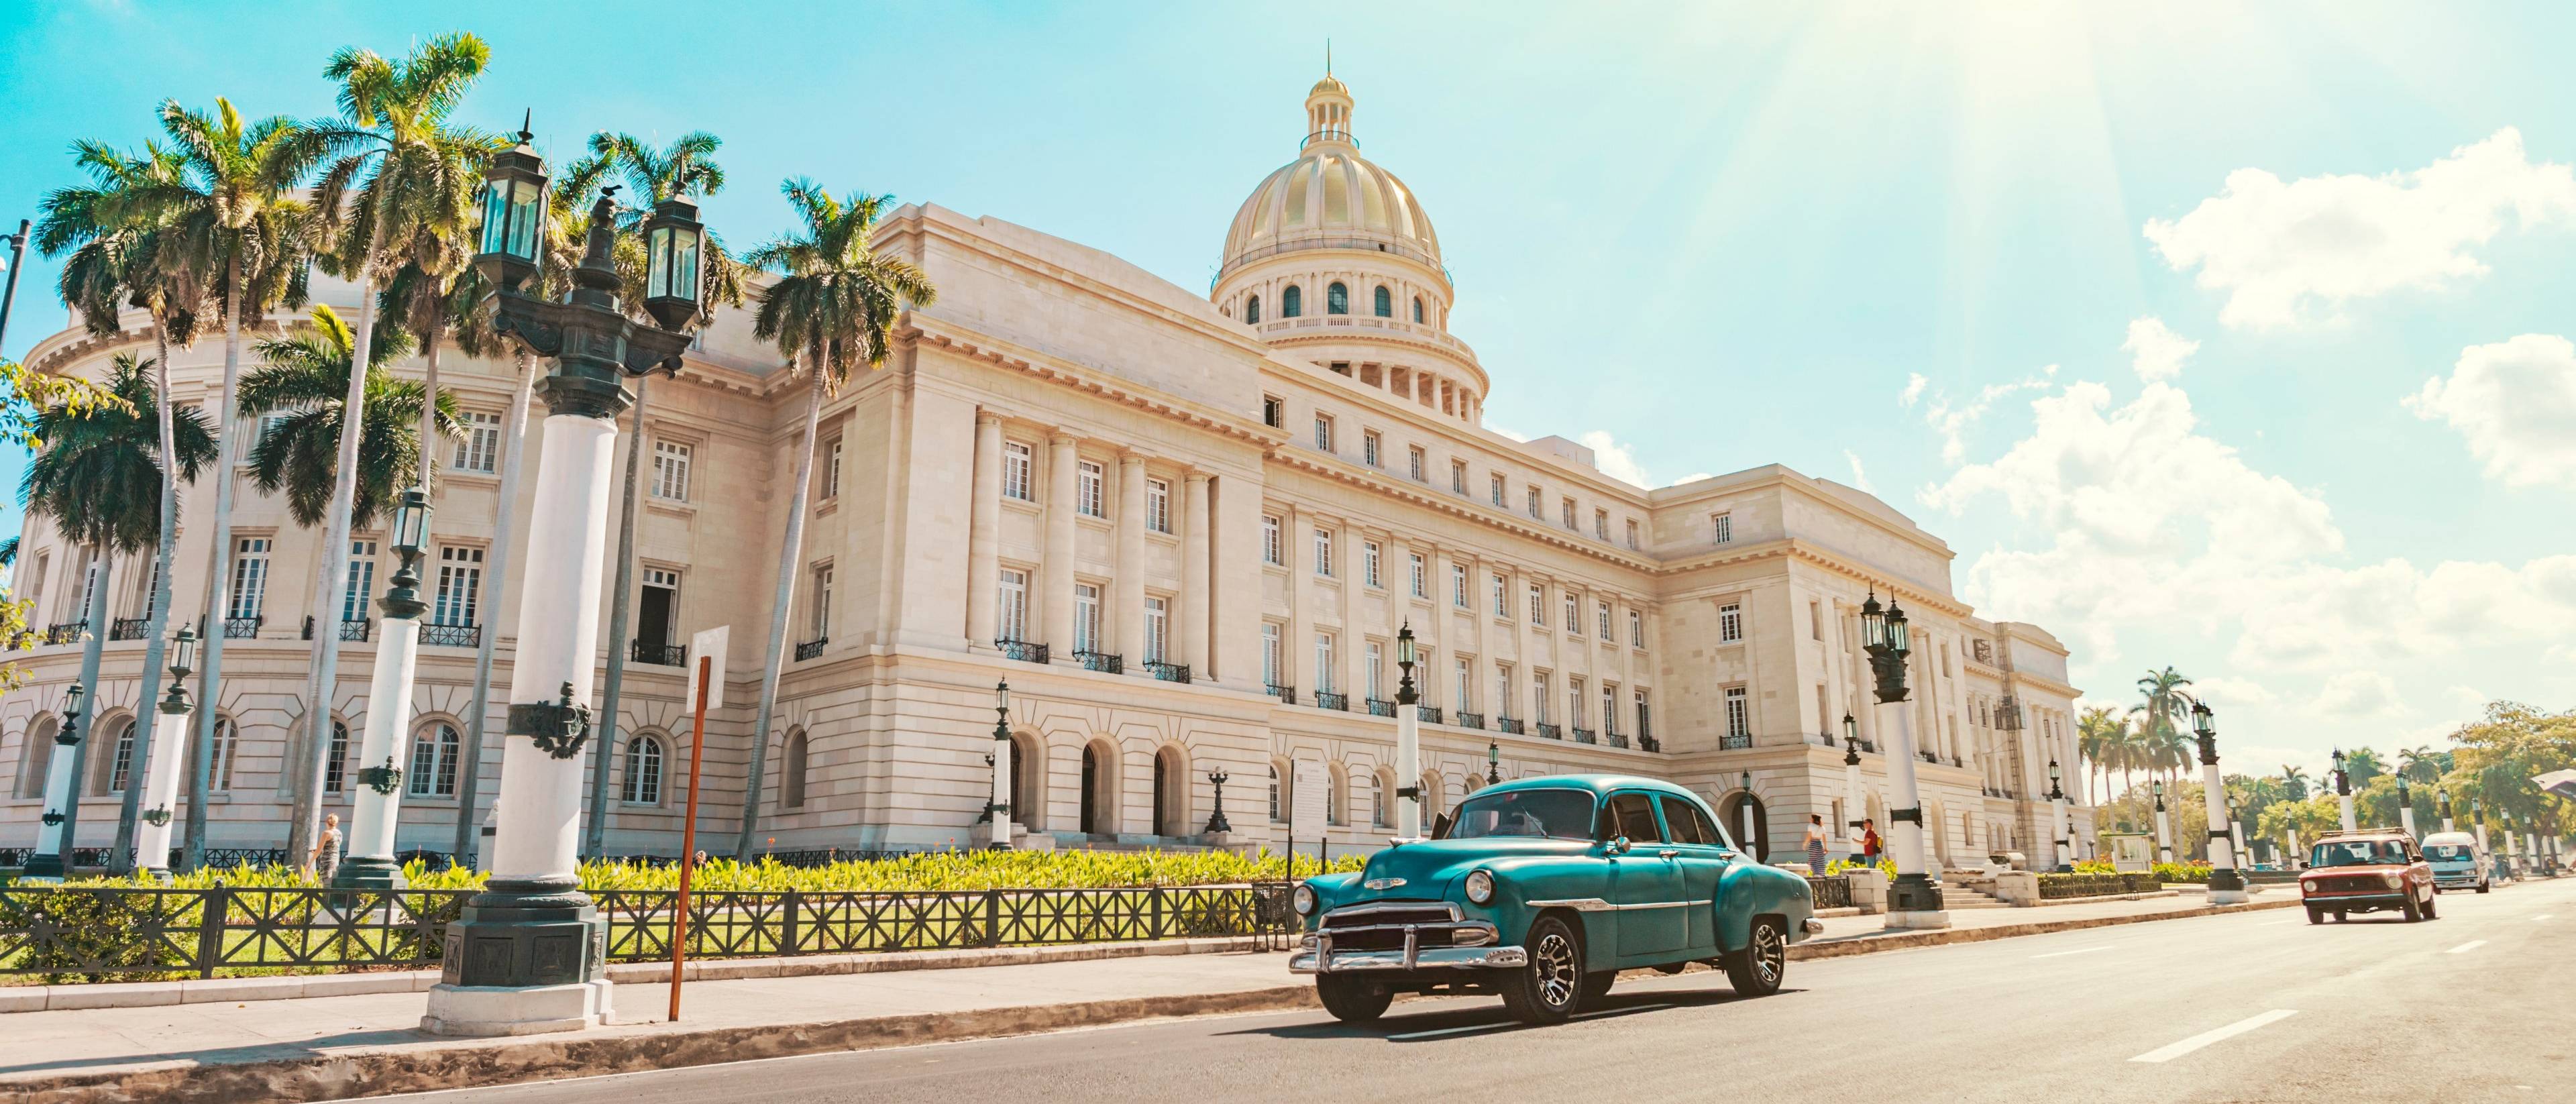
(2394, 880)
(1480, 887)
(1303, 899)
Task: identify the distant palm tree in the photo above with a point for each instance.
(306, 374)
(399, 189)
(2098, 734)
(2162, 712)
(2294, 781)
(832, 309)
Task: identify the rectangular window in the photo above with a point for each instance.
(1324, 432)
(480, 448)
(1730, 623)
(1158, 505)
(1610, 706)
(1538, 606)
(1157, 629)
(250, 577)
(1086, 490)
(1739, 723)
(1274, 413)
(1012, 619)
(1324, 662)
(1602, 615)
(1565, 509)
(1457, 477)
(1414, 464)
(362, 581)
(1573, 614)
(1502, 597)
(1370, 444)
(670, 471)
(1418, 581)
(1086, 617)
(1503, 689)
(1644, 713)
(1463, 675)
(832, 468)
(823, 602)
(1369, 558)
(1270, 653)
(1498, 490)
(1723, 526)
(1636, 629)
(1574, 711)
(1375, 671)
(1815, 620)
(1539, 679)
(1534, 503)
(1270, 551)
(460, 586)
(1324, 552)
(1015, 472)
(1632, 533)
(1458, 585)
(1601, 524)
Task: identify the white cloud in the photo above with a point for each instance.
(1914, 384)
(2281, 250)
(2515, 402)
(1952, 418)
(2221, 691)
(1614, 459)
(2358, 695)
(2158, 351)
(1860, 478)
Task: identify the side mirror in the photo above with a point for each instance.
(1617, 846)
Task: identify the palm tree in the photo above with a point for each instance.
(400, 189)
(2163, 709)
(2097, 734)
(833, 309)
(306, 375)
(2294, 782)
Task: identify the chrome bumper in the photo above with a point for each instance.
(1312, 961)
(1450, 942)
(1812, 926)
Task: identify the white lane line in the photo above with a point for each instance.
(1437, 1032)
(2543, 916)
(2177, 1050)
(2079, 950)
(2465, 948)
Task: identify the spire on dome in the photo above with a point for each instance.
(1328, 107)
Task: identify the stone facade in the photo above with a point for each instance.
(1234, 504)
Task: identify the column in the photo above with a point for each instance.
(1128, 589)
(1347, 646)
(1297, 546)
(983, 539)
(1429, 677)
(1057, 573)
(1195, 569)
(1480, 585)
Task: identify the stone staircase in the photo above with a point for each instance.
(1957, 893)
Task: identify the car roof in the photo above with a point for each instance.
(2450, 837)
(1596, 783)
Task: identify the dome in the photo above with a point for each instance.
(1330, 197)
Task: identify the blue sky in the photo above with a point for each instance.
(2215, 336)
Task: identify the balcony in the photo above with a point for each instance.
(1168, 672)
(1022, 650)
(1509, 724)
(1929, 757)
(244, 628)
(1380, 707)
(69, 633)
(1549, 731)
(1428, 714)
(452, 636)
(360, 630)
(126, 628)
(1337, 702)
(1647, 743)
(812, 648)
(1471, 720)
(1735, 741)
(1585, 736)
(1287, 695)
(1614, 739)
(659, 655)
(1107, 663)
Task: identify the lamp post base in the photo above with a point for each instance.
(490, 1010)
(1914, 901)
(528, 955)
(2219, 896)
(369, 872)
(43, 866)
(1918, 920)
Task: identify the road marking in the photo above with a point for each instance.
(2465, 948)
(2080, 950)
(2543, 916)
(2177, 1050)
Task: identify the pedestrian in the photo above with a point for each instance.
(1816, 843)
(325, 859)
(1870, 844)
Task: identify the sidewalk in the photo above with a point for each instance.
(334, 1047)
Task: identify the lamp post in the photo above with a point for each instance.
(53, 854)
(2226, 885)
(2478, 819)
(999, 808)
(1217, 824)
(1851, 783)
(2443, 796)
(2164, 823)
(2343, 790)
(1914, 900)
(1744, 812)
(1408, 740)
(161, 776)
(378, 799)
(2405, 805)
(1493, 762)
(2064, 822)
(17, 261)
(526, 954)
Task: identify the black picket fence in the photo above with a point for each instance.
(89, 858)
(101, 934)
(1831, 892)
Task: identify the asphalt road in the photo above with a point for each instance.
(2479, 1005)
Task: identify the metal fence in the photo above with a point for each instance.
(1833, 892)
(99, 934)
(15, 858)
(2056, 886)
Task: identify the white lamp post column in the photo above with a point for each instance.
(53, 857)
(1914, 900)
(378, 802)
(2064, 841)
(2442, 798)
(2164, 824)
(169, 756)
(2226, 885)
(1851, 784)
(1408, 740)
(2406, 808)
(2343, 790)
(999, 808)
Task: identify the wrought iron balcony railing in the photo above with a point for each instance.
(1550, 731)
(244, 628)
(1471, 720)
(69, 633)
(1429, 714)
(1105, 662)
(1647, 743)
(812, 648)
(452, 636)
(1380, 707)
(1333, 700)
(1022, 650)
(660, 655)
(1287, 695)
(1614, 738)
(1168, 672)
(1510, 724)
(1585, 736)
(1735, 741)
(360, 630)
(126, 628)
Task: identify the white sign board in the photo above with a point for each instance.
(1310, 785)
(709, 645)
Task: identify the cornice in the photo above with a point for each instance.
(1422, 495)
(1804, 551)
(1002, 353)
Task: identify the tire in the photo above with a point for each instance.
(1352, 1000)
(2316, 916)
(1550, 988)
(2483, 887)
(1756, 970)
(2414, 912)
(2430, 912)
(1597, 985)
(2342, 917)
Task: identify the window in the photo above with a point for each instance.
(1413, 464)
(1539, 679)
(1292, 301)
(1601, 524)
(1498, 490)
(1270, 653)
(1252, 309)
(1632, 533)
(670, 471)
(1538, 606)
(1457, 477)
(643, 782)
(1384, 302)
(1565, 511)
(1601, 614)
(1324, 552)
(1610, 706)
(1369, 560)
(832, 468)
(1636, 629)
(1158, 624)
(823, 602)
(433, 761)
(1534, 507)
(1015, 472)
(1324, 432)
(1463, 675)
(480, 447)
(1458, 585)
(219, 755)
(1723, 526)
(1815, 620)
(1337, 299)
(1012, 618)
(335, 769)
(1158, 505)
(1333, 793)
(1730, 623)
(1502, 602)
(1375, 671)
(1369, 449)
(460, 586)
(1377, 784)
(1324, 662)
(1417, 310)
(791, 779)
(1270, 550)
(121, 770)
(1418, 581)
(1574, 711)
(1086, 617)
(1573, 614)
(1278, 808)
(1739, 724)
(1088, 500)
(362, 581)
(250, 577)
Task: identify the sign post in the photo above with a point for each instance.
(706, 688)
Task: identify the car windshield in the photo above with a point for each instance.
(2357, 853)
(2453, 852)
(1549, 814)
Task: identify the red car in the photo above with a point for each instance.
(2380, 870)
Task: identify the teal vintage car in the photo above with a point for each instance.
(1542, 890)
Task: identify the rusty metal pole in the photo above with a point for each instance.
(689, 835)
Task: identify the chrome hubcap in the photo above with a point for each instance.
(1555, 968)
(1768, 953)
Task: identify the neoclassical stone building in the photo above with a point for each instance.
(1185, 528)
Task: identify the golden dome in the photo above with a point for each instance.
(1330, 197)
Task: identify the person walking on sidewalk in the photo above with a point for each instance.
(1816, 843)
(325, 859)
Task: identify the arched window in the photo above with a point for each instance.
(120, 767)
(643, 782)
(433, 760)
(1434, 793)
(1292, 302)
(1417, 310)
(1099, 789)
(1748, 823)
(1252, 309)
(335, 771)
(1171, 793)
(1278, 794)
(1385, 302)
(1027, 767)
(791, 785)
(219, 755)
(1377, 801)
(1333, 798)
(1337, 299)
(37, 757)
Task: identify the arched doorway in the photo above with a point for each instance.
(1099, 789)
(1171, 793)
(1748, 821)
(1026, 769)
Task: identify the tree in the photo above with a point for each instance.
(305, 377)
(399, 189)
(832, 308)
(2098, 734)
(2361, 765)
(2162, 711)
(2294, 782)
(25, 398)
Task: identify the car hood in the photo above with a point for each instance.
(1430, 869)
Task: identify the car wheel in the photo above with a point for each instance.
(2316, 916)
(1548, 989)
(1352, 1000)
(2482, 887)
(1597, 984)
(2341, 916)
(2429, 910)
(1756, 970)
(2413, 911)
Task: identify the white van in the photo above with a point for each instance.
(2458, 861)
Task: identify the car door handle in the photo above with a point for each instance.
(1666, 853)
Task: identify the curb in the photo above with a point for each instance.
(1845, 946)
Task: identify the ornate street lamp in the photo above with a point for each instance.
(2164, 824)
(998, 810)
(1851, 782)
(1408, 739)
(52, 858)
(1744, 811)
(2405, 805)
(1493, 762)
(2442, 796)
(2343, 790)
(377, 800)
(2226, 884)
(1914, 900)
(1217, 824)
(161, 775)
(2059, 813)
(529, 947)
